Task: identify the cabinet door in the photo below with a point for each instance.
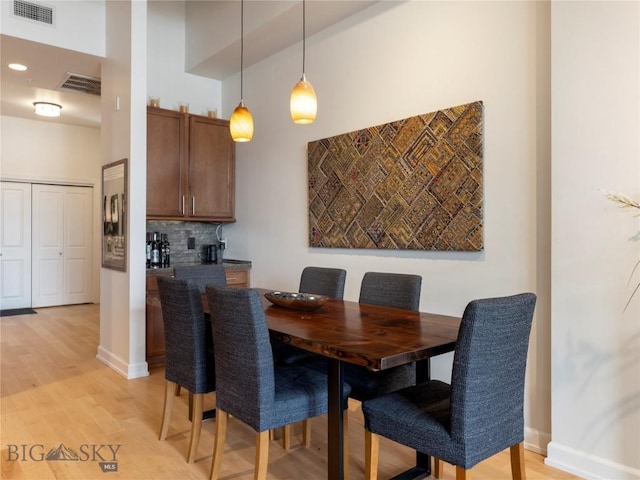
(166, 157)
(211, 169)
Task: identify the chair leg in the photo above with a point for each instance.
(286, 437)
(196, 425)
(306, 433)
(221, 432)
(166, 412)
(437, 467)
(462, 474)
(345, 442)
(371, 449)
(262, 455)
(517, 462)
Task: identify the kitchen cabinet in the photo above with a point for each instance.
(190, 167)
(237, 276)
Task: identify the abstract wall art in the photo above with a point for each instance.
(412, 184)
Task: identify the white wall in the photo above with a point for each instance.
(78, 25)
(166, 62)
(391, 61)
(48, 152)
(124, 77)
(595, 343)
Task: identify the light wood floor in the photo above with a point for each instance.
(54, 391)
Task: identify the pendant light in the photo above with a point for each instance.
(241, 122)
(303, 103)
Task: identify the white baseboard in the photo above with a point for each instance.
(536, 441)
(586, 465)
(128, 371)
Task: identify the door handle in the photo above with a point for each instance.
(193, 205)
(182, 208)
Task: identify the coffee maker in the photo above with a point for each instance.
(210, 254)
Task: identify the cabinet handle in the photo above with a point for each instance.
(182, 208)
(193, 205)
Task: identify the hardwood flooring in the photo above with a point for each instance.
(55, 392)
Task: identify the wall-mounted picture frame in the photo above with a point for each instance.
(114, 215)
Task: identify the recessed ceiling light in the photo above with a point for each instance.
(17, 66)
(47, 109)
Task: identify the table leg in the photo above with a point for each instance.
(335, 426)
(422, 468)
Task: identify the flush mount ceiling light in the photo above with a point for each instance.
(18, 67)
(303, 103)
(47, 109)
(241, 121)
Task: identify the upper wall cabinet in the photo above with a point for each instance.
(190, 167)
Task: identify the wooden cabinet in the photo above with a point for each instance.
(236, 277)
(190, 167)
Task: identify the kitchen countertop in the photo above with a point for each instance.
(229, 264)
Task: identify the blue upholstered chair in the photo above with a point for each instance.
(321, 281)
(481, 412)
(189, 361)
(395, 290)
(202, 275)
(264, 396)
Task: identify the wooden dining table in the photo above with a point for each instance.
(372, 336)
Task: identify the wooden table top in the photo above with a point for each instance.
(369, 335)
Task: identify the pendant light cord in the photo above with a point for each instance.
(304, 15)
(241, 49)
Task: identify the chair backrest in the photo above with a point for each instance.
(188, 359)
(487, 384)
(244, 360)
(396, 290)
(323, 281)
(202, 275)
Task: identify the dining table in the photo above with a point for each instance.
(372, 336)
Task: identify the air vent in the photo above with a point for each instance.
(33, 11)
(82, 83)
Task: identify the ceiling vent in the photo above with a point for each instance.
(33, 11)
(82, 83)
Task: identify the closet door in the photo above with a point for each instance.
(48, 247)
(61, 245)
(77, 252)
(15, 245)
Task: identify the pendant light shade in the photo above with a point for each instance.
(241, 124)
(304, 103)
(241, 121)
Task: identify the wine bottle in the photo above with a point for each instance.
(155, 251)
(148, 249)
(167, 252)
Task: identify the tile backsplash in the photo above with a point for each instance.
(179, 232)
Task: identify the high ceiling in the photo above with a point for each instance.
(273, 22)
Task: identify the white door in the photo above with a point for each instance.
(15, 245)
(48, 247)
(62, 251)
(77, 253)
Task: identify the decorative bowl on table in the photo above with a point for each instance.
(296, 301)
